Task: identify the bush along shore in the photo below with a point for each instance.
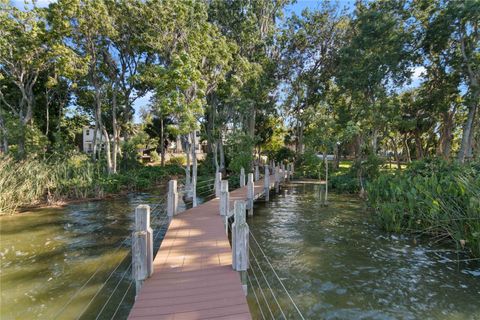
(435, 198)
(33, 182)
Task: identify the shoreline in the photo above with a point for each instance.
(65, 202)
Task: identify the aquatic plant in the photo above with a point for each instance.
(435, 198)
(32, 181)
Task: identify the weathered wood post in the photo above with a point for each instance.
(172, 199)
(218, 179)
(291, 170)
(322, 193)
(288, 172)
(326, 182)
(277, 179)
(250, 194)
(283, 172)
(224, 198)
(142, 247)
(240, 245)
(266, 185)
(257, 173)
(242, 178)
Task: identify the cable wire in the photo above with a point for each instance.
(255, 295)
(268, 284)
(281, 282)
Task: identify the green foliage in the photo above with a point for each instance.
(178, 161)
(432, 197)
(308, 165)
(154, 156)
(239, 147)
(367, 169)
(284, 154)
(344, 183)
(32, 181)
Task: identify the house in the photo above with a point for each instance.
(87, 139)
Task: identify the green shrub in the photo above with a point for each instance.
(344, 183)
(154, 156)
(179, 160)
(432, 197)
(31, 181)
(284, 154)
(239, 146)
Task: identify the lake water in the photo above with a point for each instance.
(337, 264)
(73, 262)
(55, 262)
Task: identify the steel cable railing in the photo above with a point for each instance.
(258, 286)
(97, 270)
(165, 221)
(160, 226)
(256, 298)
(278, 278)
(268, 284)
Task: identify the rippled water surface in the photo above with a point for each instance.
(337, 264)
(48, 255)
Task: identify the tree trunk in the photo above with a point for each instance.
(222, 155)
(108, 151)
(300, 138)
(418, 145)
(407, 148)
(336, 154)
(98, 123)
(194, 168)
(446, 135)
(162, 143)
(395, 152)
(115, 133)
(467, 132)
(187, 169)
(251, 123)
(215, 156)
(21, 139)
(3, 128)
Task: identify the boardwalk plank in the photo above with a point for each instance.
(193, 276)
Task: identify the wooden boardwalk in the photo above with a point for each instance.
(193, 276)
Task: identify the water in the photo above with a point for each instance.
(337, 264)
(48, 254)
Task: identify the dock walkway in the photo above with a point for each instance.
(193, 276)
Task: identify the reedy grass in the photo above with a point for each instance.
(440, 201)
(31, 181)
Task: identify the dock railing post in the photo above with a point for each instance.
(250, 194)
(224, 198)
(142, 247)
(283, 172)
(277, 180)
(242, 177)
(257, 173)
(240, 245)
(218, 179)
(291, 171)
(172, 199)
(288, 172)
(266, 185)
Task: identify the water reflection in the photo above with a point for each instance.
(47, 255)
(337, 264)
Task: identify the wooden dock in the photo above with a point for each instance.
(193, 276)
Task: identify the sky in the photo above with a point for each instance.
(297, 8)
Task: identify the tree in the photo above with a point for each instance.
(25, 51)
